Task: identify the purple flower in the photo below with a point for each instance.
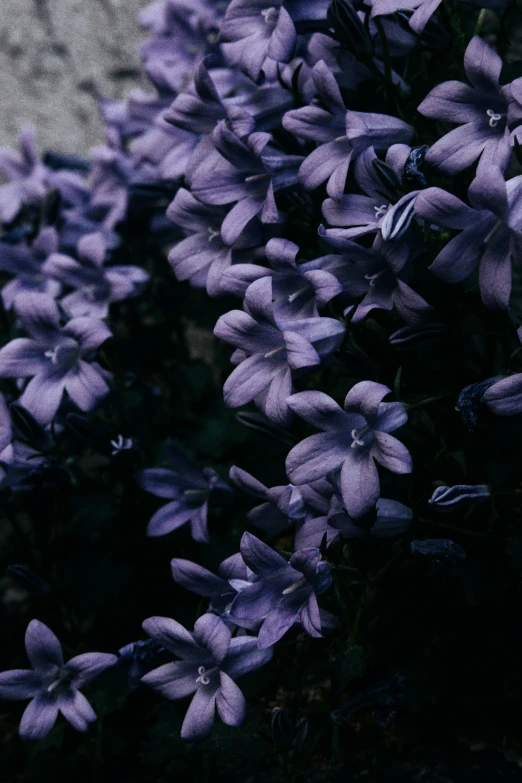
(187, 487)
(27, 174)
(284, 593)
(51, 685)
(480, 110)
(283, 504)
(297, 289)
(250, 172)
(342, 135)
(200, 107)
(270, 351)
(489, 232)
(31, 180)
(96, 286)
(352, 441)
(203, 257)
(458, 496)
(365, 214)
(378, 275)
(251, 31)
(504, 397)
(210, 661)
(233, 574)
(55, 357)
(25, 262)
(391, 519)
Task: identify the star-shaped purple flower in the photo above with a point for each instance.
(210, 661)
(187, 487)
(352, 441)
(285, 592)
(52, 685)
(55, 357)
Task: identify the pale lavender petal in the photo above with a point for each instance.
(392, 454)
(173, 636)
(230, 702)
(39, 717)
(43, 648)
(173, 680)
(200, 714)
(159, 481)
(76, 709)
(19, 684)
(87, 666)
(85, 386)
(314, 458)
(213, 634)
(359, 483)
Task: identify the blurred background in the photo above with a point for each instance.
(55, 57)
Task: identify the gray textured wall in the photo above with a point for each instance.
(54, 55)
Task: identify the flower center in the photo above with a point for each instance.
(357, 435)
(269, 15)
(494, 118)
(52, 354)
(373, 278)
(274, 352)
(300, 583)
(121, 444)
(90, 292)
(62, 679)
(212, 234)
(380, 211)
(65, 355)
(202, 679)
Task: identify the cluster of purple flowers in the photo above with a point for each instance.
(256, 118)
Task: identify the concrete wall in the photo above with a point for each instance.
(54, 56)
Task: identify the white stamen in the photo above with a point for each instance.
(121, 444)
(269, 14)
(273, 353)
(202, 679)
(373, 278)
(300, 582)
(212, 234)
(380, 211)
(355, 439)
(493, 118)
(294, 296)
(52, 354)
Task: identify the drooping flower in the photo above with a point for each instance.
(459, 496)
(210, 661)
(352, 441)
(187, 487)
(423, 10)
(504, 396)
(52, 685)
(284, 593)
(282, 505)
(55, 357)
